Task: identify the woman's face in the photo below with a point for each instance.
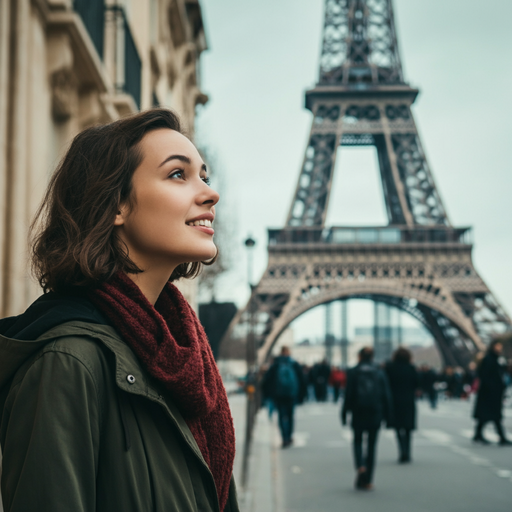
(173, 206)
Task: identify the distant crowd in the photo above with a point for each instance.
(386, 394)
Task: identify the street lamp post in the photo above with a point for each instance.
(251, 379)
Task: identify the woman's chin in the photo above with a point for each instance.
(203, 256)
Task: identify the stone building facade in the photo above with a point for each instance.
(69, 64)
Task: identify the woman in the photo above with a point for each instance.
(403, 381)
(489, 402)
(110, 398)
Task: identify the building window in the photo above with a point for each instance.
(92, 13)
(127, 63)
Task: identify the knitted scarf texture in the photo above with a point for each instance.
(171, 344)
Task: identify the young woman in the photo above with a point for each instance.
(110, 398)
(489, 400)
(404, 383)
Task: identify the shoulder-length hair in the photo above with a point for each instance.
(402, 355)
(74, 242)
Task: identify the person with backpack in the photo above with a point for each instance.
(284, 384)
(368, 399)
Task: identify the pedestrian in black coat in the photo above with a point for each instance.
(368, 399)
(320, 374)
(489, 401)
(404, 382)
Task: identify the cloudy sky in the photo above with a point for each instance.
(262, 57)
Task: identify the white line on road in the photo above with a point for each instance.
(442, 438)
(300, 439)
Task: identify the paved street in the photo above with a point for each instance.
(449, 473)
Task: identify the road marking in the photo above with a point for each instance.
(492, 436)
(437, 436)
(338, 443)
(300, 439)
(317, 411)
(442, 438)
(346, 435)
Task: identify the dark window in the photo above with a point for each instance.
(92, 13)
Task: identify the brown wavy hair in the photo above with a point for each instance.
(72, 236)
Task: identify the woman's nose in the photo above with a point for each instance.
(210, 196)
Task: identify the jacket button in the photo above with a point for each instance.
(131, 379)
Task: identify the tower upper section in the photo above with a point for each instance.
(359, 45)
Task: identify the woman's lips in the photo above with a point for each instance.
(204, 229)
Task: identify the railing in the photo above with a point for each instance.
(370, 235)
(127, 61)
(92, 13)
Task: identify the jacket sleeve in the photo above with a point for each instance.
(302, 382)
(50, 437)
(387, 399)
(349, 397)
(268, 383)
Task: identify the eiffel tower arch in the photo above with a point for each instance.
(419, 263)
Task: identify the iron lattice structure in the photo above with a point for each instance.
(419, 263)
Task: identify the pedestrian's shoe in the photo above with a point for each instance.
(481, 439)
(505, 442)
(361, 478)
(287, 442)
(404, 459)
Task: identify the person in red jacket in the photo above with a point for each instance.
(338, 381)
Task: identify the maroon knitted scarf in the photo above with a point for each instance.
(172, 345)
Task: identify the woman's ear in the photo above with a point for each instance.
(121, 215)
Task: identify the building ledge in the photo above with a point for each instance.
(88, 66)
(124, 104)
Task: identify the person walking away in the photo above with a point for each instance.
(320, 377)
(367, 398)
(284, 383)
(404, 382)
(338, 381)
(428, 382)
(489, 401)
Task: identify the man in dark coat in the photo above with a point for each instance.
(320, 374)
(404, 382)
(368, 399)
(489, 402)
(284, 383)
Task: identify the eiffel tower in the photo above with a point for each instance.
(419, 262)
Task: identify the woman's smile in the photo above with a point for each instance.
(203, 223)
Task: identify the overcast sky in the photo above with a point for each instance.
(262, 57)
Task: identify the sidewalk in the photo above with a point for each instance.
(262, 492)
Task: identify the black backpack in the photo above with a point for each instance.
(368, 390)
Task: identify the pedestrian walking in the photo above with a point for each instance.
(428, 381)
(110, 398)
(338, 382)
(491, 389)
(320, 377)
(368, 400)
(404, 383)
(284, 384)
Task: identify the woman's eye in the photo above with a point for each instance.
(179, 174)
(206, 179)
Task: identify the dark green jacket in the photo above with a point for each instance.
(84, 428)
